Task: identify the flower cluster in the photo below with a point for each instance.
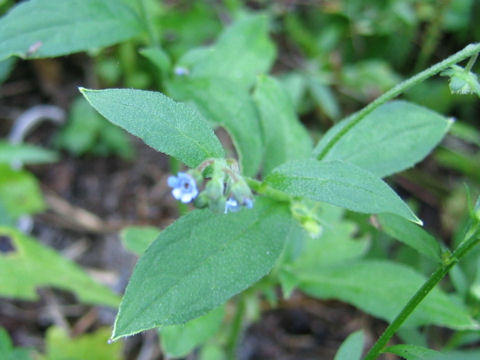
(225, 189)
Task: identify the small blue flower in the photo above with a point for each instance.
(231, 205)
(184, 187)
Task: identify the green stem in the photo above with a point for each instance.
(432, 35)
(471, 62)
(152, 34)
(467, 52)
(434, 279)
(264, 189)
(236, 329)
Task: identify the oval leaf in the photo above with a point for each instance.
(174, 128)
(340, 184)
(199, 262)
(224, 103)
(359, 284)
(352, 347)
(392, 138)
(43, 28)
(285, 137)
(411, 235)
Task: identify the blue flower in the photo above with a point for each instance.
(184, 187)
(232, 205)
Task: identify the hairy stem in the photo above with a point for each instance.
(467, 52)
(432, 281)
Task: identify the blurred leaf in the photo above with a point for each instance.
(86, 132)
(19, 192)
(324, 98)
(382, 288)
(241, 52)
(455, 160)
(212, 352)
(465, 132)
(409, 130)
(335, 243)
(285, 137)
(180, 340)
(159, 58)
(25, 154)
(45, 28)
(174, 128)
(341, 184)
(369, 78)
(138, 238)
(411, 235)
(32, 264)
(6, 67)
(352, 347)
(414, 352)
(222, 102)
(199, 262)
(93, 346)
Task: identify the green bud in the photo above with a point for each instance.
(214, 188)
(201, 201)
(218, 205)
(240, 191)
(197, 175)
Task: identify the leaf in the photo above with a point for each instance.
(45, 28)
(19, 193)
(92, 346)
(174, 128)
(86, 132)
(352, 347)
(32, 264)
(336, 243)
(180, 340)
(222, 101)
(413, 352)
(6, 67)
(411, 235)
(285, 137)
(25, 154)
(382, 288)
(138, 238)
(199, 262)
(340, 184)
(392, 138)
(242, 51)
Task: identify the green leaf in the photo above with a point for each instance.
(285, 137)
(138, 238)
(19, 192)
(382, 288)
(341, 184)
(414, 352)
(336, 243)
(242, 51)
(352, 347)
(392, 138)
(5, 342)
(222, 101)
(86, 132)
(199, 262)
(411, 235)
(174, 128)
(32, 264)
(6, 67)
(44, 28)
(159, 58)
(180, 340)
(25, 154)
(93, 346)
